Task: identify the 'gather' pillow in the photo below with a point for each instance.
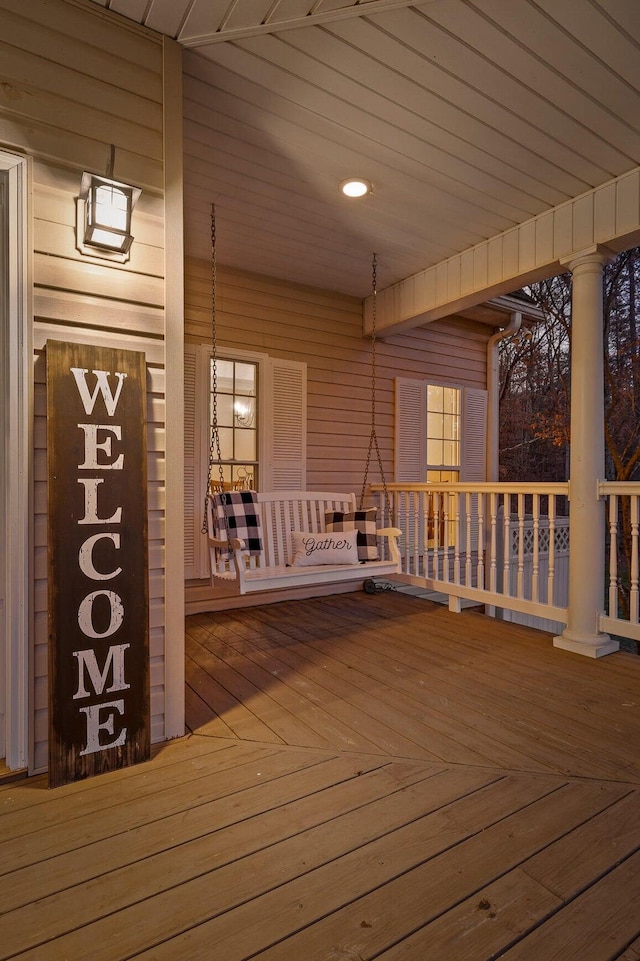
(364, 522)
(320, 548)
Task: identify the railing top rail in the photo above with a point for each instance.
(617, 487)
(481, 487)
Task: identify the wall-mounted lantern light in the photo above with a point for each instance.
(103, 227)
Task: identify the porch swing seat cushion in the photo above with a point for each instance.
(281, 514)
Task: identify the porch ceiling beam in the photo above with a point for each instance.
(608, 215)
(360, 9)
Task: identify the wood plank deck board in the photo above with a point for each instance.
(418, 870)
(518, 718)
(363, 690)
(473, 708)
(386, 727)
(373, 777)
(409, 691)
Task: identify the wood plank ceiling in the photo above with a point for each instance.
(468, 116)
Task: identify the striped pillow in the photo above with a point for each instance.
(364, 522)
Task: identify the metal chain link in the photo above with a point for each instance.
(215, 455)
(373, 437)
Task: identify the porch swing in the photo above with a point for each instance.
(278, 540)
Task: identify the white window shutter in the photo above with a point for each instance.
(410, 448)
(474, 435)
(191, 466)
(285, 426)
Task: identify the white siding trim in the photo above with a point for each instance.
(17, 507)
(174, 668)
(192, 446)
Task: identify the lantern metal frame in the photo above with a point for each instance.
(109, 237)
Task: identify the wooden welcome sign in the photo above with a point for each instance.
(98, 567)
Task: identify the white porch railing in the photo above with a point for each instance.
(507, 546)
(496, 544)
(622, 616)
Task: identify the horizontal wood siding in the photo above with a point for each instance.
(74, 82)
(325, 331)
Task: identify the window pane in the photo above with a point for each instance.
(434, 425)
(214, 477)
(451, 453)
(224, 370)
(435, 399)
(434, 452)
(246, 379)
(244, 409)
(225, 410)
(244, 476)
(443, 476)
(450, 427)
(450, 400)
(245, 444)
(226, 443)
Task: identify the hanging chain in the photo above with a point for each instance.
(215, 455)
(373, 437)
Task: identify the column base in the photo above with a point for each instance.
(589, 645)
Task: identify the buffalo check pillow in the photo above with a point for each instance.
(236, 513)
(364, 522)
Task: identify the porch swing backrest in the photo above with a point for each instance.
(281, 513)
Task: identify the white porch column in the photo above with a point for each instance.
(587, 512)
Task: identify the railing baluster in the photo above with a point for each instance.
(633, 595)
(424, 511)
(493, 560)
(415, 510)
(455, 502)
(438, 520)
(481, 543)
(506, 560)
(535, 573)
(468, 507)
(551, 573)
(520, 575)
(613, 555)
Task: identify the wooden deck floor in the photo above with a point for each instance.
(367, 777)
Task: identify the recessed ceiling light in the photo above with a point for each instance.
(356, 187)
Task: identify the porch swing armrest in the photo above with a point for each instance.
(236, 543)
(392, 534)
(235, 549)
